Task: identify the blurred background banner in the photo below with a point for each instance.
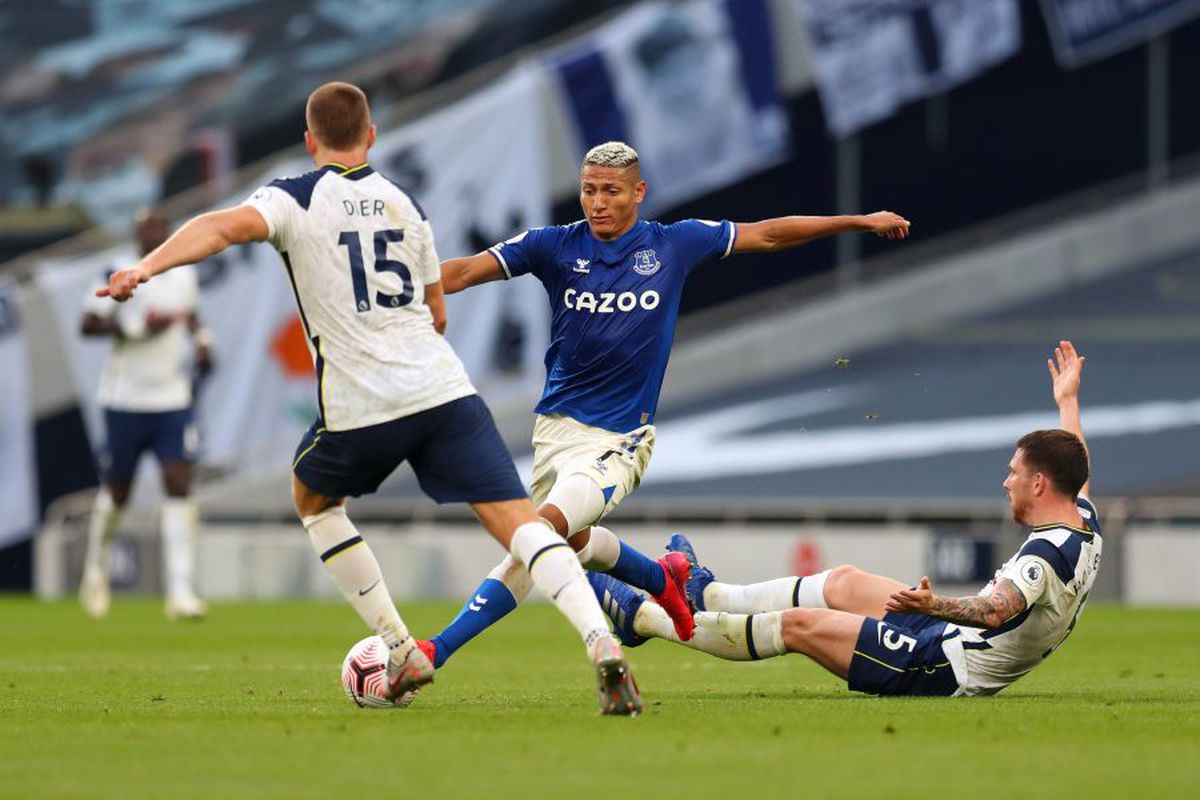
(18, 490)
(1086, 30)
(873, 56)
(478, 169)
(691, 86)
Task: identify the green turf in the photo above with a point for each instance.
(247, 704)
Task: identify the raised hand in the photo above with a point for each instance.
(887, 225)
(1065, 369)
(122, 283)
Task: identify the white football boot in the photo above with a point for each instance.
(94, 593)
(184, 605)
(407, 674)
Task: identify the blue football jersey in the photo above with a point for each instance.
(613, 306)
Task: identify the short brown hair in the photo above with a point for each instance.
(1060, 455)
(338, 116)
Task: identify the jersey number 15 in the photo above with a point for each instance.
(358, 275)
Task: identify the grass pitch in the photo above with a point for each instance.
(247, 704)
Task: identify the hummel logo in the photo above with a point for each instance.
(362, 592)
(481, 601)
(581, 265)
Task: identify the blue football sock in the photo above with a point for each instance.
(635, 569)
(491, 602)
(620, 603)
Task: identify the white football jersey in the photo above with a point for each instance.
(359, 253)
(1054, 569)
(149, 372)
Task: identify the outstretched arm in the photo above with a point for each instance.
(202, 236)
(461, 273)
(1065, 370)
(991, 610)
(782, 233)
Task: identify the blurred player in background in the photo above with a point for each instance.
(886, 638)
(614, 283)
(361, 258)
(146, 394)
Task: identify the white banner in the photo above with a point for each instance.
(18, 489)
(692, 86)
(872, 56)
(478, 170)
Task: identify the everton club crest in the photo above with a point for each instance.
(645, 262)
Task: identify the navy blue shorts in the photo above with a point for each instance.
(902, 655)
(454, 449)
(168, 434)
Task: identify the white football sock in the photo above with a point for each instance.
(722, 635)
(356, 572)
(739, 637)
(753, 598)
(811, 592)
(514, 576)
(558, 575)
(652, 622)
(101, 525)
(178, 537)
(602, 550)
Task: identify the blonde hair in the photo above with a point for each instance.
(611, 154)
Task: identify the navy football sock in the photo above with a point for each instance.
(491, 602)
(635, 569)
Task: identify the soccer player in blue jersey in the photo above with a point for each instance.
(614, 283)
(888, 638)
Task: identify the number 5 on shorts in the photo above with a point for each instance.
(893, 640)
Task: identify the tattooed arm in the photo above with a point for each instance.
(977, 611)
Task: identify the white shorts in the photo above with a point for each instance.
(615, 461)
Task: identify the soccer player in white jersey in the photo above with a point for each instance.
(614, 284)
(884, 637)
(362, 262)
(146, 396)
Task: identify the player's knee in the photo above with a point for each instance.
(839, 581)
(177, 479)
(578, 501)
(798, 626)
(119, 490)
(580, 540)
(554, 515)
(308, 502)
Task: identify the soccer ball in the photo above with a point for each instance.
(364, 674)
